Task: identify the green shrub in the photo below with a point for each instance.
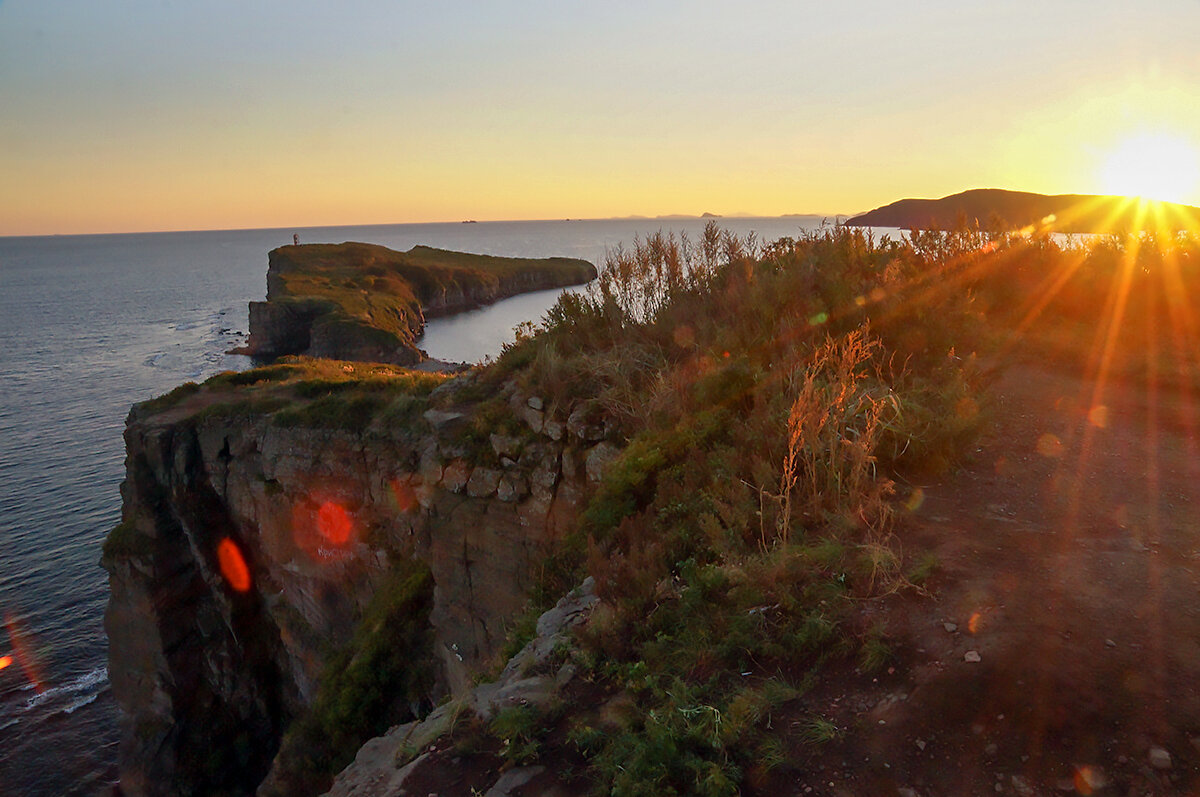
(369, 685)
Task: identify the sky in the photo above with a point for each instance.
(128, 115)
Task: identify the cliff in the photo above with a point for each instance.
(997, 209)
(364, 302)
(264, 513)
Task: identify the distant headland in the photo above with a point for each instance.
(999, 209)
(356, 301)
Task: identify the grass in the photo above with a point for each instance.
(770, 396)
(124, 541)
(303, 392)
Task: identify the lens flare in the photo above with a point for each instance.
(334, 523)
(915, 500)
(406, 497)
(1153, 166)
(233, 565)
(1049, 446)
(22, 653)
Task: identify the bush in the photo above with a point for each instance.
(366, 687)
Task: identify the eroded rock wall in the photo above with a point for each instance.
(207, 676)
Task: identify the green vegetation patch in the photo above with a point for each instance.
(374, 293)
(368, 686)
(303, 392)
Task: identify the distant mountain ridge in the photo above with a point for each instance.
(997, 208)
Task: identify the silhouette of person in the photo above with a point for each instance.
(295, 239)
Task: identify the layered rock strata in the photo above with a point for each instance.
(209, 668)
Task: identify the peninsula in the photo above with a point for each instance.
(998, 209)
(365, 302)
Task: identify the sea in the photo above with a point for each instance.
(90, 324)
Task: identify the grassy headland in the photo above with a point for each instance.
(367, 302)
(773, 404)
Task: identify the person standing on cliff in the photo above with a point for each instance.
(295, 239)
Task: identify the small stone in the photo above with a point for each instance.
(920, 745)
(950, 627)
(535, 403)
(1159, 758)
(972, 657)
(1110, 643)
(1021, 785)
(554, 429)
(999, 788)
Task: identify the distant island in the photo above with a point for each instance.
(999, 209)
(356, 301)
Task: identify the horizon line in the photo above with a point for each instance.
(631, 217)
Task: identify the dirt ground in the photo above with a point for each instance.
(1059, 651)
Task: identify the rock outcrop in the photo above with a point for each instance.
(249, 547)
(364, 302)
(384, 764)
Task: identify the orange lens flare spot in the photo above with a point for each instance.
(233, 565)
(5, 662)
(684, 336)
(406, 497)
(1098, 416)
(1089, 779)
(966, 408)
(974, 623)
(334, 523)
(915, 500)
(1050, 446)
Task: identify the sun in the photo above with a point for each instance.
(1152, 165)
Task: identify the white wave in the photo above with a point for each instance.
(75, 686)
(80, 703)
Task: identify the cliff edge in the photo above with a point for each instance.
(266, 515)
(364, 302)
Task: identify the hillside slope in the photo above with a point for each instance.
(999, 209)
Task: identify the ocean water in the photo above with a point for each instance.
(91, 324)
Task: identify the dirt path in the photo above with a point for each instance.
(1070, 564)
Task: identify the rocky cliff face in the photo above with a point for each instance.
(212, 653)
